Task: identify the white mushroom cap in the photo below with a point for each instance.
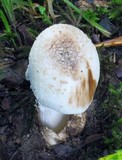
(63, 69)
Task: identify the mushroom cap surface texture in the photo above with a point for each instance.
(63, 69)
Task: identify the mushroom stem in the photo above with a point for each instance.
(52, 119)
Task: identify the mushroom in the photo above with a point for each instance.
(63, 72)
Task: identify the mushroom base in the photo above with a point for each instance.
(56, 127)
(75, 126)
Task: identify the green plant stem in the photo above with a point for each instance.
(42, 11)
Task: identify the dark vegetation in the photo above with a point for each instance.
(20, 22)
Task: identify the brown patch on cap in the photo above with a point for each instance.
(79, 97)
(91, 83)
(84, 92)
(84, 84)
(64, 52)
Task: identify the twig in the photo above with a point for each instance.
(111, 43)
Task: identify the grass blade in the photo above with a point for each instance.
(5, 21)
(8, 8)
(93, 23)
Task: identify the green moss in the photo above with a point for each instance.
(113, 106)
(115, 156)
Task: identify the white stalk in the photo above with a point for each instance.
(52, 119)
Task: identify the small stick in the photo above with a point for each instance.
(111, 43)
